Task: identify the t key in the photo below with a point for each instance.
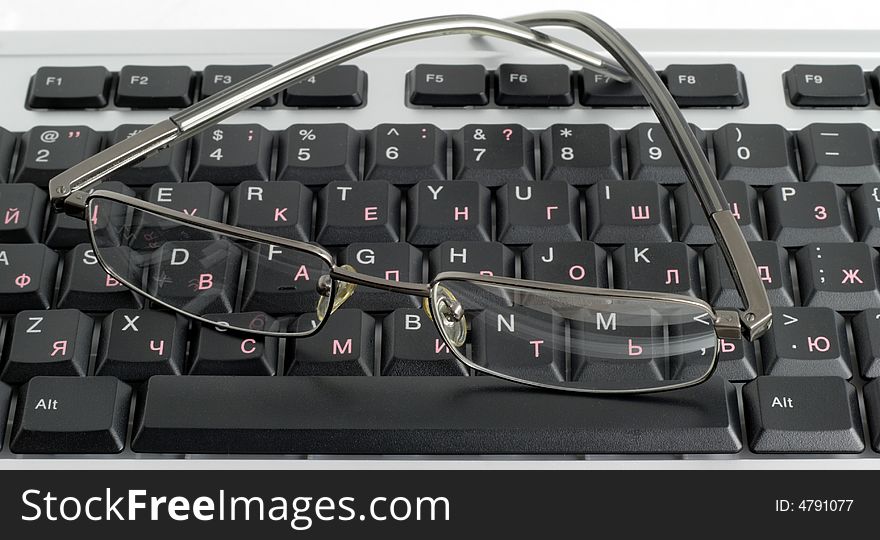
(47, 151)
(439, 211)
(405, 153)
(358, 212)
(842, 277)
(137, 344)
(27, 277)
(230, 154)
(651, 157)
(537, 211)
(668, 267)
(759, 154)
(800, 213)
(574, 263)
(581, 154)
(493, 154)
(839, 153)
(279, 208)
(806, 341)
(315, 154)
(55, 342)
(627, 211)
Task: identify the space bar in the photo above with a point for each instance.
(424, 415)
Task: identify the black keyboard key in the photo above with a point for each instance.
(600, 91)
(773, 269)
(840, 153)
(872, 404)
(493, 154)
(533, 85)
(866, 213)
(403, 154)
(802, 415)
(758, 154)
(7, 148)
(27, 277)
(137, 344)
(193, 198)
(624, 211)
(63, 415)
(826, 86)
(487, 258)
(670, 267)
(800, 213)
(155, 87)
(5, 398)
(55, 342)
(229, 154)
(65, 232)
(693, 227)
(572, 263)
(316, 154)
(396, 261)
(581, 154)
(47, 151)
(358, 212)
(166, 166)
(216, 78)
(866, 336)
(438, 85)
(842, 277)
(339, 86)
(806, 341)
(736, 360)
(875, 82)
(537, 212)
(439, 211)
(343, 346)
(203, 269)
(219, 351)
(85, 285)
(705, 85)
(497, 345)
(279, 208)
(85, 87)
(280, 281)
(651, 157)
(22, 209)
(412, 346)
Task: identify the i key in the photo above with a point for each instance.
(627, 211)
(866, 336)
(221, 351)
(198, 276)
(493, 154)
(806, 341)
(155, 87)
(651, 157)
(573, 263)
(358, 212)
(537, 212)
(279, 208)
(343, 346)
(395, 261)
(866, 213)
(581, 154)
(800, 213)
(411, 346)
(439, 211)
(280, 281)
(137, 344)
(316, 154)
(55, 342)
(230, 154)
(68, 87)
(403, 154)
(758, 154)
(693, 227)
(216, 78)
(87, 286)
(27, 276)
(842, 277)
(772, 263)
(65, 232)
(47, 151)
(22, 208)
(166, 166)
(845, 154)
(670, 267)
(193, 198)
(499, 345)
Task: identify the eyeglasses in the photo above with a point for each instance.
(549, 335)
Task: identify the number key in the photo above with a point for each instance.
(759, 154)
(315, 154)
(581, 154)
(651, 157)
(231, 154)
(403, 154)
(47, 151)
(494, 154)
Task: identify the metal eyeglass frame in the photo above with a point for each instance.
(69, 191)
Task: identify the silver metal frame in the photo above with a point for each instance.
(69, 190)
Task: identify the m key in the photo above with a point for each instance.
(403, 154)
(806, 341)
(55, 342)
(842, 277)
(137, 344)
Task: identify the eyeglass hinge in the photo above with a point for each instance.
(75, 204)
(727, 325)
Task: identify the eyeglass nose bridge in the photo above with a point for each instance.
(347, 280)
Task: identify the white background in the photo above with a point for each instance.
(223, 14)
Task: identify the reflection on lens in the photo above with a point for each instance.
(581, 341)
(201, 272)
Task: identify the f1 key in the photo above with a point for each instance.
(70, 88)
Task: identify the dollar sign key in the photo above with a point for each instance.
(218, 135)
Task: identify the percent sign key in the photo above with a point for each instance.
(316, 154)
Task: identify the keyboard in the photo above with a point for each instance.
(451, 154)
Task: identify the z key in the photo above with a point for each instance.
(55, 342)
(493, 154)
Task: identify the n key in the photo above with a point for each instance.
(537, 211)
(403, 154)
(394, 261)
(625, 211)
(440, 211)
(651, 156)
(230, 154)
(845, 154)
(47, 151)
(800, 213)
(137, 344)
(759, 154)
(343, 346)
(842, 277)
(358, 212)
(573, 263)
(220, 351)
(27, 277)
(493, 154)
(316, 154)
(806, 341)
(279, 208)
(53, 342)
(668, 267)
(87, 286)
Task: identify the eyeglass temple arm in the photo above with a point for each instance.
(64, 189)
(755, 319)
